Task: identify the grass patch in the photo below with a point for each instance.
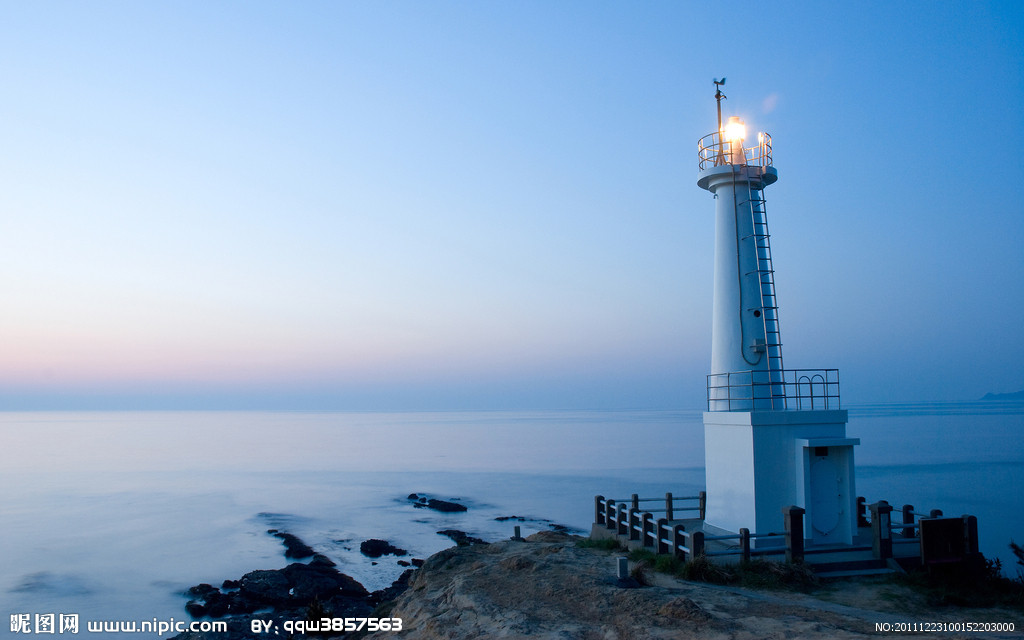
(604, 545)
(642, 555)
(668, 564)
(765, 574)
(756, 574)
(974, 583)
(701, 569)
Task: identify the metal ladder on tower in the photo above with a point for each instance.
(769, 306)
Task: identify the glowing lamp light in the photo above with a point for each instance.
(735, 129)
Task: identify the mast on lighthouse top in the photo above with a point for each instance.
(725, 146)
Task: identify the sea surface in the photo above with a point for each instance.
(114, 515)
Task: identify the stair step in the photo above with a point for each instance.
(849, 564)
(853, 573)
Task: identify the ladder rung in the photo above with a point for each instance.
(765, 276)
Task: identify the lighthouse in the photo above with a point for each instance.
(773, 437)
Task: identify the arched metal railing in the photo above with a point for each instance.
(788, 389)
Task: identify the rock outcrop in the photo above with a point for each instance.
(294, 546)
(295, 592)
(445, 506)
(549, 588)
(374, 548)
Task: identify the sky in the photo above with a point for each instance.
(403, 205)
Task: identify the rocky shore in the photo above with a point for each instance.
(311, 587)
(548, 587)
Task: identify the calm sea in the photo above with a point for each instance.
(113, 515)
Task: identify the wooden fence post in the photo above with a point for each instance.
(678, 540)
(636, 501)
(703, 497)
(622, 519)
(862, 513)
(598, 510)
(881, 530)
(668, 507)
(794, 520)
(970, 534)
(648, 530)
(609, 510)
(660, 528)
(697, 543)
(633, 522)
(745, 544)
(908, 519)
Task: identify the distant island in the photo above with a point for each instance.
(1016, 395)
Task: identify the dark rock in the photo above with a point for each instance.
(294, 546)
(195, 609)
(307, 582)
(417, 562)
(201, 590)
(287, 593)
(375, 548)
(268, 587)
(320, 560)
(461, 538)
(219, 604)
(445, 506)
(403, 563)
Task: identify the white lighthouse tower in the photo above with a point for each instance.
(774, 437)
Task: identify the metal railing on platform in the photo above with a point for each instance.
(714, 150)
(787, 389)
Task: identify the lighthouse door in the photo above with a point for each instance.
(826, 499)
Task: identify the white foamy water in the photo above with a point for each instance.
(114, 515)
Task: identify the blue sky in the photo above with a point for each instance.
(448, 205)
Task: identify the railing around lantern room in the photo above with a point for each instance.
(713, 150)
(787, 390)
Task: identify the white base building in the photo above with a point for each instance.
(759, 462)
